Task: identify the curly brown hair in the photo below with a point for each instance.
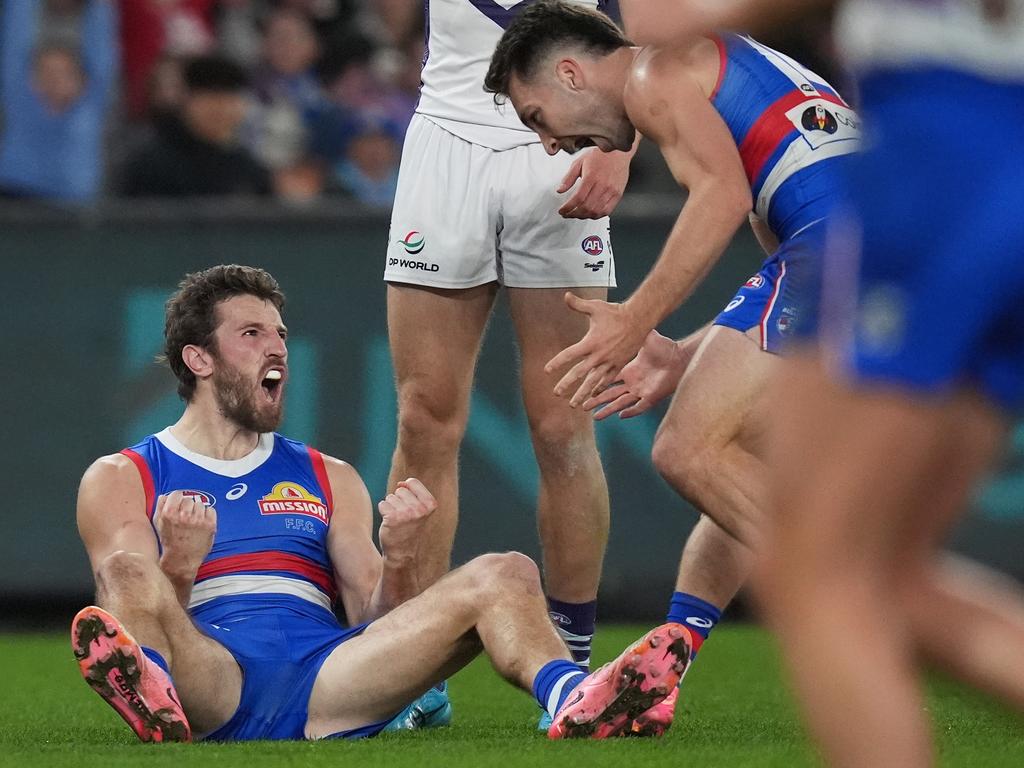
(191, 313)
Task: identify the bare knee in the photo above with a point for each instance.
(430, 420)
(504, 574)
(129, 576)
(684, 465)
(563, 442)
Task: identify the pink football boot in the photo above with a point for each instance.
(607, 701)
(114, 665)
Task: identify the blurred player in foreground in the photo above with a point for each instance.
(740, 126)
(882, 438)
(218, 548)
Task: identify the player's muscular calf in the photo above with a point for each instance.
(186, 527)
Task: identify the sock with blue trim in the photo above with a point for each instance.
(554, 682)
(699, 616)
(575, 623)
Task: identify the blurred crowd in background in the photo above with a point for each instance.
(291, 99)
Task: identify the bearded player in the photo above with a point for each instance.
(219, 548)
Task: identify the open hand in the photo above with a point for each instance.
(648, 379)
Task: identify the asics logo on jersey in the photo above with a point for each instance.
(597, 266)
(237, 491)
(413, 242)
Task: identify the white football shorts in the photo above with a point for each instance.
(466, 215)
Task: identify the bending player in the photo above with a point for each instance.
(480, 205)
(219, 546)
(740, 126)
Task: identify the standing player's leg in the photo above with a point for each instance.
(207, 678)
(494, 603)
(709, 449)
(435, 339)
(572, 508)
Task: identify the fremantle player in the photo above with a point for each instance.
(921, 372)
(740, 126)
(221, 546)
(481, 205)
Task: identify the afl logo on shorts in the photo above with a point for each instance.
(593, 245)
(205, 498)
(754, 282)
(819, 119)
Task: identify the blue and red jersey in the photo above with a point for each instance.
(786, 121)
(273, 511)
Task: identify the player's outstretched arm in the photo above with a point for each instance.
(669, 107)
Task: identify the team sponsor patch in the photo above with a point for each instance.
(413, 242)
(290, 499)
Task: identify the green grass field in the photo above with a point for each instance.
(736, 713)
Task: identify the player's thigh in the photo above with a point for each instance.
(539, 248)
(544, 326)
(722, 396)
(435, 337)
(444, 220)
(398, 657)
(206, 676)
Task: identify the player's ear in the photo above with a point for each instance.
(198, 360)
(569, 73)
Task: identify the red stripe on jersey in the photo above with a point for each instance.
(147, 479)
(267, 561)
(771, 128)
(723, 62)
(320, 470)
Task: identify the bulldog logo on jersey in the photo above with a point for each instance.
(817, 118)
(291, 499)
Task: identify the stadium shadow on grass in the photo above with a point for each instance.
(735, 712)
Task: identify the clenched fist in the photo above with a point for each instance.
(402, 516)
(186, 527)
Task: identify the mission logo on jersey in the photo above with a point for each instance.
(291, 498)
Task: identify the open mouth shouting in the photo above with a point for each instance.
(272, 384)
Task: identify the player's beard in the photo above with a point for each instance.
(241, 402)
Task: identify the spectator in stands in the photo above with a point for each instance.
(369, 170)
(290, 103)
(198, 153)
(56, 93)
(152, 29)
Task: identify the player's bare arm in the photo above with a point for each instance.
(112, 517)
(371, 583)
(667, 101)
